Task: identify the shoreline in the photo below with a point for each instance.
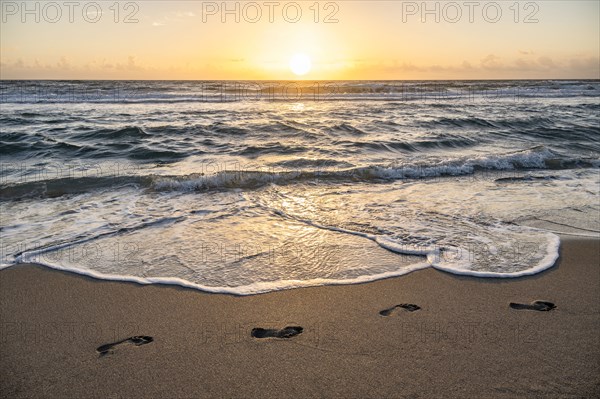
(547, 263)
(463, 341)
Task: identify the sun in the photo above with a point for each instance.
(300, 64)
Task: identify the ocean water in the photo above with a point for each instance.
(249, 187)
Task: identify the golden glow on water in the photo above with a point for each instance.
(298, 107)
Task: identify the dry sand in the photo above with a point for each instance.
(465, 341)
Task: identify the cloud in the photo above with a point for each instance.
(130, 65)
(183, 14)
(586, 63)
(63, 63)
(546, 62)
(491, 66)
(173, 16)
(491, 61)
(65, 68)
(466, 65)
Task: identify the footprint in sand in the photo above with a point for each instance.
(136, 340)
(286, 332)
(542, 306)
(410, 307)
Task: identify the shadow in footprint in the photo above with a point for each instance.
(286, 332)
(136, 340)
(406, 306)
(542, 306)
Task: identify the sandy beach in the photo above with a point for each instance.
(353, 199)
(464, 341)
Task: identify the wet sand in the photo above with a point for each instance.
(64, 335)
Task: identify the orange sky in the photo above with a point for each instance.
(344, 39)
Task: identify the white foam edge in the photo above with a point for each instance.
(458, 268)
(552, 253)
(250, 289)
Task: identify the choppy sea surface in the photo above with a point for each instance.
(249, 187)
